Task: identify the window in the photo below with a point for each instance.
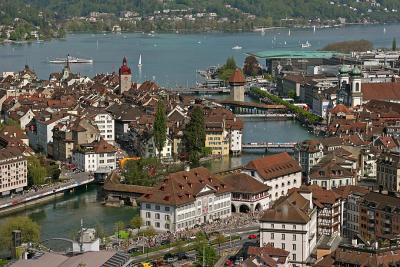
(166, 226)
(157, 207)
(272, 225)
(166, 208)
(294, 226)
(294, 246)
(283, 226)
(157, 216)
(294, 256)
(272, 236)
(283, 245)
(157, 225)
(148, 206)
(294, 237)
(283, 236)
(147, 223)
(148, 215)
(167, 217)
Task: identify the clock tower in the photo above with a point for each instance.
(125, 77)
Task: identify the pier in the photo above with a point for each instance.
(270, 145)
(33, 197)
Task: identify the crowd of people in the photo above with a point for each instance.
(226, 226)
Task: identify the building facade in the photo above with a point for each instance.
(291, 224)
(280, 172)
(185, 199)
(13, 171)
(388, 171)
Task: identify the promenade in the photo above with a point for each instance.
(39, 192)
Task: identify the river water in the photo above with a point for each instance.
(170, 59)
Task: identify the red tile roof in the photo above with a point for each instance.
(274, 166)
(237, 77)
(381, 91)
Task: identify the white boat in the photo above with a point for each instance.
(314, 28)
(71, 60)
(140, 61)
(384, 30)
(236, 47)
(289, 32)
(306, 45)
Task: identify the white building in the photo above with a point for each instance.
(98, 156)
(279, 171)
(13, 171)
(248, 194)
(185, 199)
(291, 224)
(105, 124)
(40, 130)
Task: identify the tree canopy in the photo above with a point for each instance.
(37, 172)
(251, 66)
(30, 230)
(226, 71)
(160, 128)
(349, 46)
(194, 136)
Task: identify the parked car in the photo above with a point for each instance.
(252, 236)
(169, 258)
(181, 256)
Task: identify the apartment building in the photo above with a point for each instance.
(291, 224)
(217, 138)
(280, 171)
(351, 198)
(13, 171)
(185, 199)
(388, 171)
(308, 153)
(98, 157)
(379, 216)
(330, 173)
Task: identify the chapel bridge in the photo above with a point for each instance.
(255, 110)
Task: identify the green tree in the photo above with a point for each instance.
(136, 222)
(194, 136)
(160, 128)
(202, 247)
(226, 71)
(394, 44)
(118, 227)
(100, 232)
(220, 239)
(142, 172)
(37, 173)
(30, 230)
(149, 232)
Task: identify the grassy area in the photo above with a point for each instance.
(3, 262)
(302, 114)
(123, 234)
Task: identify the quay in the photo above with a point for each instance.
(269, 145)
(76, 180)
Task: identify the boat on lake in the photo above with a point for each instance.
(306, 45)
(236, 47)
(140, 61)
(71, 60)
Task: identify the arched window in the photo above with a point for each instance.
(357, 87)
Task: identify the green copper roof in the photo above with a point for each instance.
(356, 71)
(293, 54)
(344, 69)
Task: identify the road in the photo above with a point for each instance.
(243, 233)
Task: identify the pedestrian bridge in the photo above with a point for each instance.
(269, 145)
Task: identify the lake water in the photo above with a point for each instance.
(171, 59)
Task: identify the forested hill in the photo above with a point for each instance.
(352, 10)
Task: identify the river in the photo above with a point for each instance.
(170, 59)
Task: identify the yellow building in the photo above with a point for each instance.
(217, 138)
